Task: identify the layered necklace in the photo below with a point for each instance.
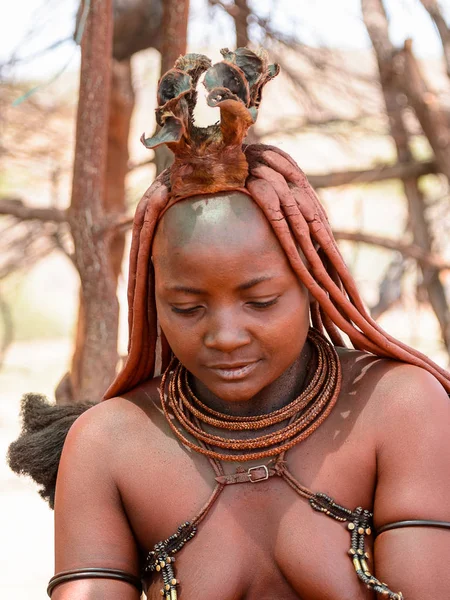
(187, 415)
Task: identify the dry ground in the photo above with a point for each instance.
(26, 549)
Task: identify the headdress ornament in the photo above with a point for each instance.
(210, 159)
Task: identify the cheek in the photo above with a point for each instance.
(179, 334)
(286, 335)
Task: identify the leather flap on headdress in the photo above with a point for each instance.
(210, 159)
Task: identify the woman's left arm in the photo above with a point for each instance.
(413, 483)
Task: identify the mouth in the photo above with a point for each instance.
(234, 372)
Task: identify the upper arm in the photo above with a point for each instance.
(91, 527)
(413, 482)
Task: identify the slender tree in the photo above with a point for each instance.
(98, 354)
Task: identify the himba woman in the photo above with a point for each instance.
(269, 461)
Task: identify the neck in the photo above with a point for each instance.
(273, 397)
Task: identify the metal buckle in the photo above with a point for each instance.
(265, 476)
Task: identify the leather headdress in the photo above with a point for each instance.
(210, 159)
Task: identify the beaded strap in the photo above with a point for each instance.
(161, 558)
(359, 521)
(359, 526)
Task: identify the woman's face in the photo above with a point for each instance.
(228, 302)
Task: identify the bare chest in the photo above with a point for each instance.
(259, 541)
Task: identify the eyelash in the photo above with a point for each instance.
(185, 311)
(264, 304)
(193, 310)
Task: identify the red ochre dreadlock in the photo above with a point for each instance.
(277, 185)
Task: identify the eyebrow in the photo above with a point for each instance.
(244, 286)
(249, 284)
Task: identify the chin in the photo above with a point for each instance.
(233, 394)
(234, 391)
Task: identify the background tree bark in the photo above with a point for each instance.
(434, 121)
(121, 104)
(96, 355)
(174, 31)
(174, 44)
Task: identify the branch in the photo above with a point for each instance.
(408, 250)
(380, 173)
(431, 116)
(16, 208)
(321, 124)
(434, 10)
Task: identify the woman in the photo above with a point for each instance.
(245, 461)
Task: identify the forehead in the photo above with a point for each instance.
(232, 219)
(218, 242)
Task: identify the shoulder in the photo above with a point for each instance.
(408, 400)
(108, 427)
(394, 389)
(103, 442)
(408, 418)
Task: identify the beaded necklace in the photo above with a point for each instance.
(186, 414)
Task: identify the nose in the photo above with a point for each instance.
(226, 333)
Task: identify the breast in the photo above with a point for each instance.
(263, 542)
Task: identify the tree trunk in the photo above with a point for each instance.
(174, 27)
(96, 354)
(434, 121)
(174, 44)
(120, 111)
(241, 17)
(376, 23)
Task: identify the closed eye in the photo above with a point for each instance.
(185, 311)
(264, 304)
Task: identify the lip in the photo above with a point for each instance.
(234, 372)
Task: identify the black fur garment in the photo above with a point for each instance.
(37, 450)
